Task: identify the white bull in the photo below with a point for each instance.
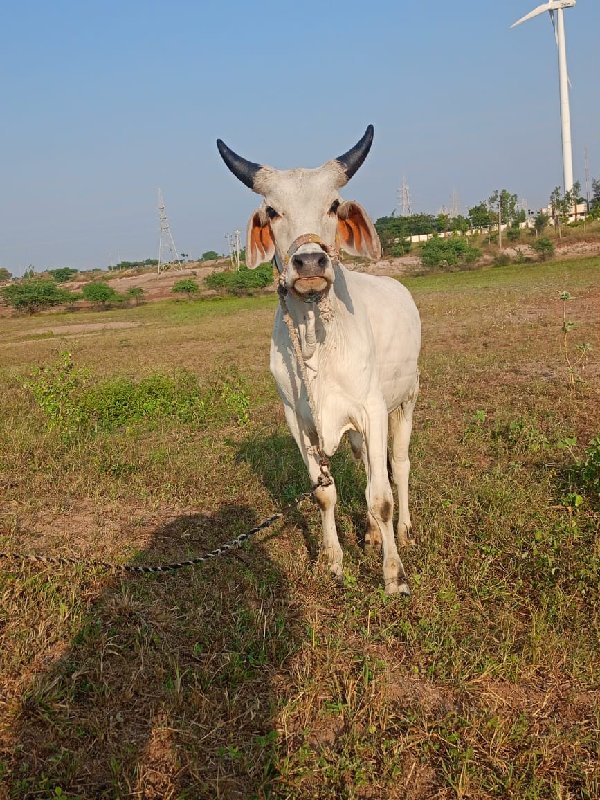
(353, 338)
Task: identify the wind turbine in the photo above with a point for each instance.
(556, 7)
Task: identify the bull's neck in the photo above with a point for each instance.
(313, 320)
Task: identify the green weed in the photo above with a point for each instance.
(76, 404)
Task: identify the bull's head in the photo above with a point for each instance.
(299, 202)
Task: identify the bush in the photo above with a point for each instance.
(544, 248)
(513, 233)
(62, 274)
(399, 249)
(187, 286)
(590, 469)
(5, 275)
(455, 251)
(35, 294)
(136, 293)
(77, 405)
(100, 294)
(243, 280)
(209, 255)
(502, 260)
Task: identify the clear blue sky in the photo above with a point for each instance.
(104, 102)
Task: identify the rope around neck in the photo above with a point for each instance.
(325, 478)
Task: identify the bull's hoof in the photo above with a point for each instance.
(372, 544)
(406, 538)
(398, 588)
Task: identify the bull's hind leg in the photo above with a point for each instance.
(400, 422)
(373, 534)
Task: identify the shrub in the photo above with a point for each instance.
(399, 249)
(100, 293)
(590, 469)
(544, 248)
(187, 286)
(62, 274)
(5, 275)
(455, 251)
(502, 259)
(243, 280)
(135, 293)
(209, 255)
(77, 405)
(34, 294)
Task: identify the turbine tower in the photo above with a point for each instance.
(556, 7)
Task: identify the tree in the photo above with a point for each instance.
(209, 255)
(34, 294)
(480, 216)
(100, 293)
(503, 207)
(543, 247)
(5, 275)
(540, 222)
(563, 205)
(187, 286)
(595, 198)
(62, 274)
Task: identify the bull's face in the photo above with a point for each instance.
(303, 219)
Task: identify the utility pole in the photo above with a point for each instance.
(499, 219)
(166, 244)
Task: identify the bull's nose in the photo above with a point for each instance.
(310, 263)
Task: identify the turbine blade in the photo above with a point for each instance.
(536, 12)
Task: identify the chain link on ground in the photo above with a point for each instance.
(223, 549)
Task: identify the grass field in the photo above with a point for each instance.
(254, 676)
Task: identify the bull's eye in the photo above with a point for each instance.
(271, 213)
(334, 207)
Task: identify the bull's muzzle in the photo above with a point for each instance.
(310, 268)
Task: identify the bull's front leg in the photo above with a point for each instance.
(380, 500)
(326, 496)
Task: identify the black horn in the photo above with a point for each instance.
(244, 170)
(354, 158)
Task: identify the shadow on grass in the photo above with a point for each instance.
(276, 459)
(167, 688)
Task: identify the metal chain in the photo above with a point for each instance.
(234, 544)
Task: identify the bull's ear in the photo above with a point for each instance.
(260, 245)
(356, 232)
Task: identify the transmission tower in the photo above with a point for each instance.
(166, 244)
(404, 204)
(234, 245)
(454, 204)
